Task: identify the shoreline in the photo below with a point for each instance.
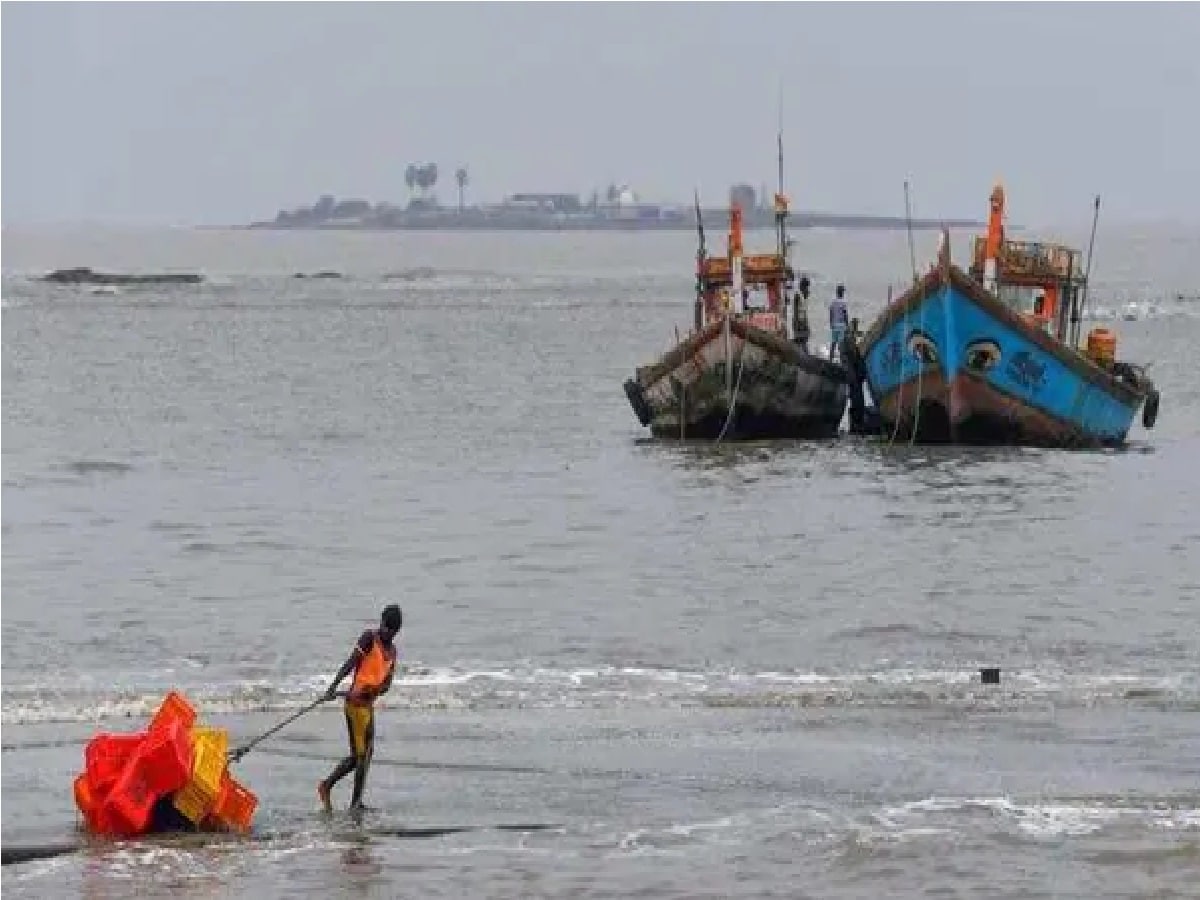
(489, 224)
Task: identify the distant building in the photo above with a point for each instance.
(743, 195)
(563, 203)
(621, 203)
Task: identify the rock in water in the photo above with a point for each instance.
(85, 275)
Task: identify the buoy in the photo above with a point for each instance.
(1102, 347)
(171, 777)
(989, 676)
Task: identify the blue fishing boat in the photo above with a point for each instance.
(990, 356)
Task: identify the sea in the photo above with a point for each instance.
(629, 668)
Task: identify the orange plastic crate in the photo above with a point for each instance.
(83, 794)
(85, 800)
(235, 806)
(174, 708)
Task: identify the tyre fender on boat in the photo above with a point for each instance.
(1150, 410)
(637, 399)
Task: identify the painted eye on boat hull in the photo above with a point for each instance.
(922, 347)
(982, 355)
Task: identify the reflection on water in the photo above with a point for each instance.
(361, 867)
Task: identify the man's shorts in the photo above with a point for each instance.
(360, 726)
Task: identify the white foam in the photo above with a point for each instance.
(1035, 819)
(40, 868)
(84, 698)
(1179, 818)
(796, 678)
(686, 830)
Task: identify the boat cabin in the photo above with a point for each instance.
(747, 286)
(1042, 282)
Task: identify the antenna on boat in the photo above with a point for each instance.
(787, 304)
(1087, 272)
(780, 200)
(912, 251)
(700, 255)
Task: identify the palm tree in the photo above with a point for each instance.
(410, 177)
(461, 177)
(426, 177)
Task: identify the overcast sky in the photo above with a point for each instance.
(215, 113)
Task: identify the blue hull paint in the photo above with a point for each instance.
(1004, 366)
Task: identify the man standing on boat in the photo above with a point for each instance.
(839, 319)
(800, 329)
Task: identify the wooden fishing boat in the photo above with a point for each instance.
(993, 356)
(744, 371)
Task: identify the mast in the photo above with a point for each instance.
(1066, 301)
(735, 277)
(781, 211)
(700, 256)
(1081, 309)
(735, 254)
(912, 247)
(780, 200)
(995, 238)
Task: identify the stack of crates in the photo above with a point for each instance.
(176, 760)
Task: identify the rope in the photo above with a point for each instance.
(236, 755)
(912, 436)
(733, 396)
(896, 424)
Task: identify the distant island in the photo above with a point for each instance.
(616, 209)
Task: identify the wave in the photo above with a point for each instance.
(1040, 818)
(530, 686)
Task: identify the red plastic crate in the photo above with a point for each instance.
(106, 757)
(127, 810)
(91, 807)
(165, 759)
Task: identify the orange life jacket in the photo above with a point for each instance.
(372, 671)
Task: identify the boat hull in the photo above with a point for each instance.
(949, 363)
(777, 390)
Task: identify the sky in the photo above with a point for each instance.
(216, 114)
